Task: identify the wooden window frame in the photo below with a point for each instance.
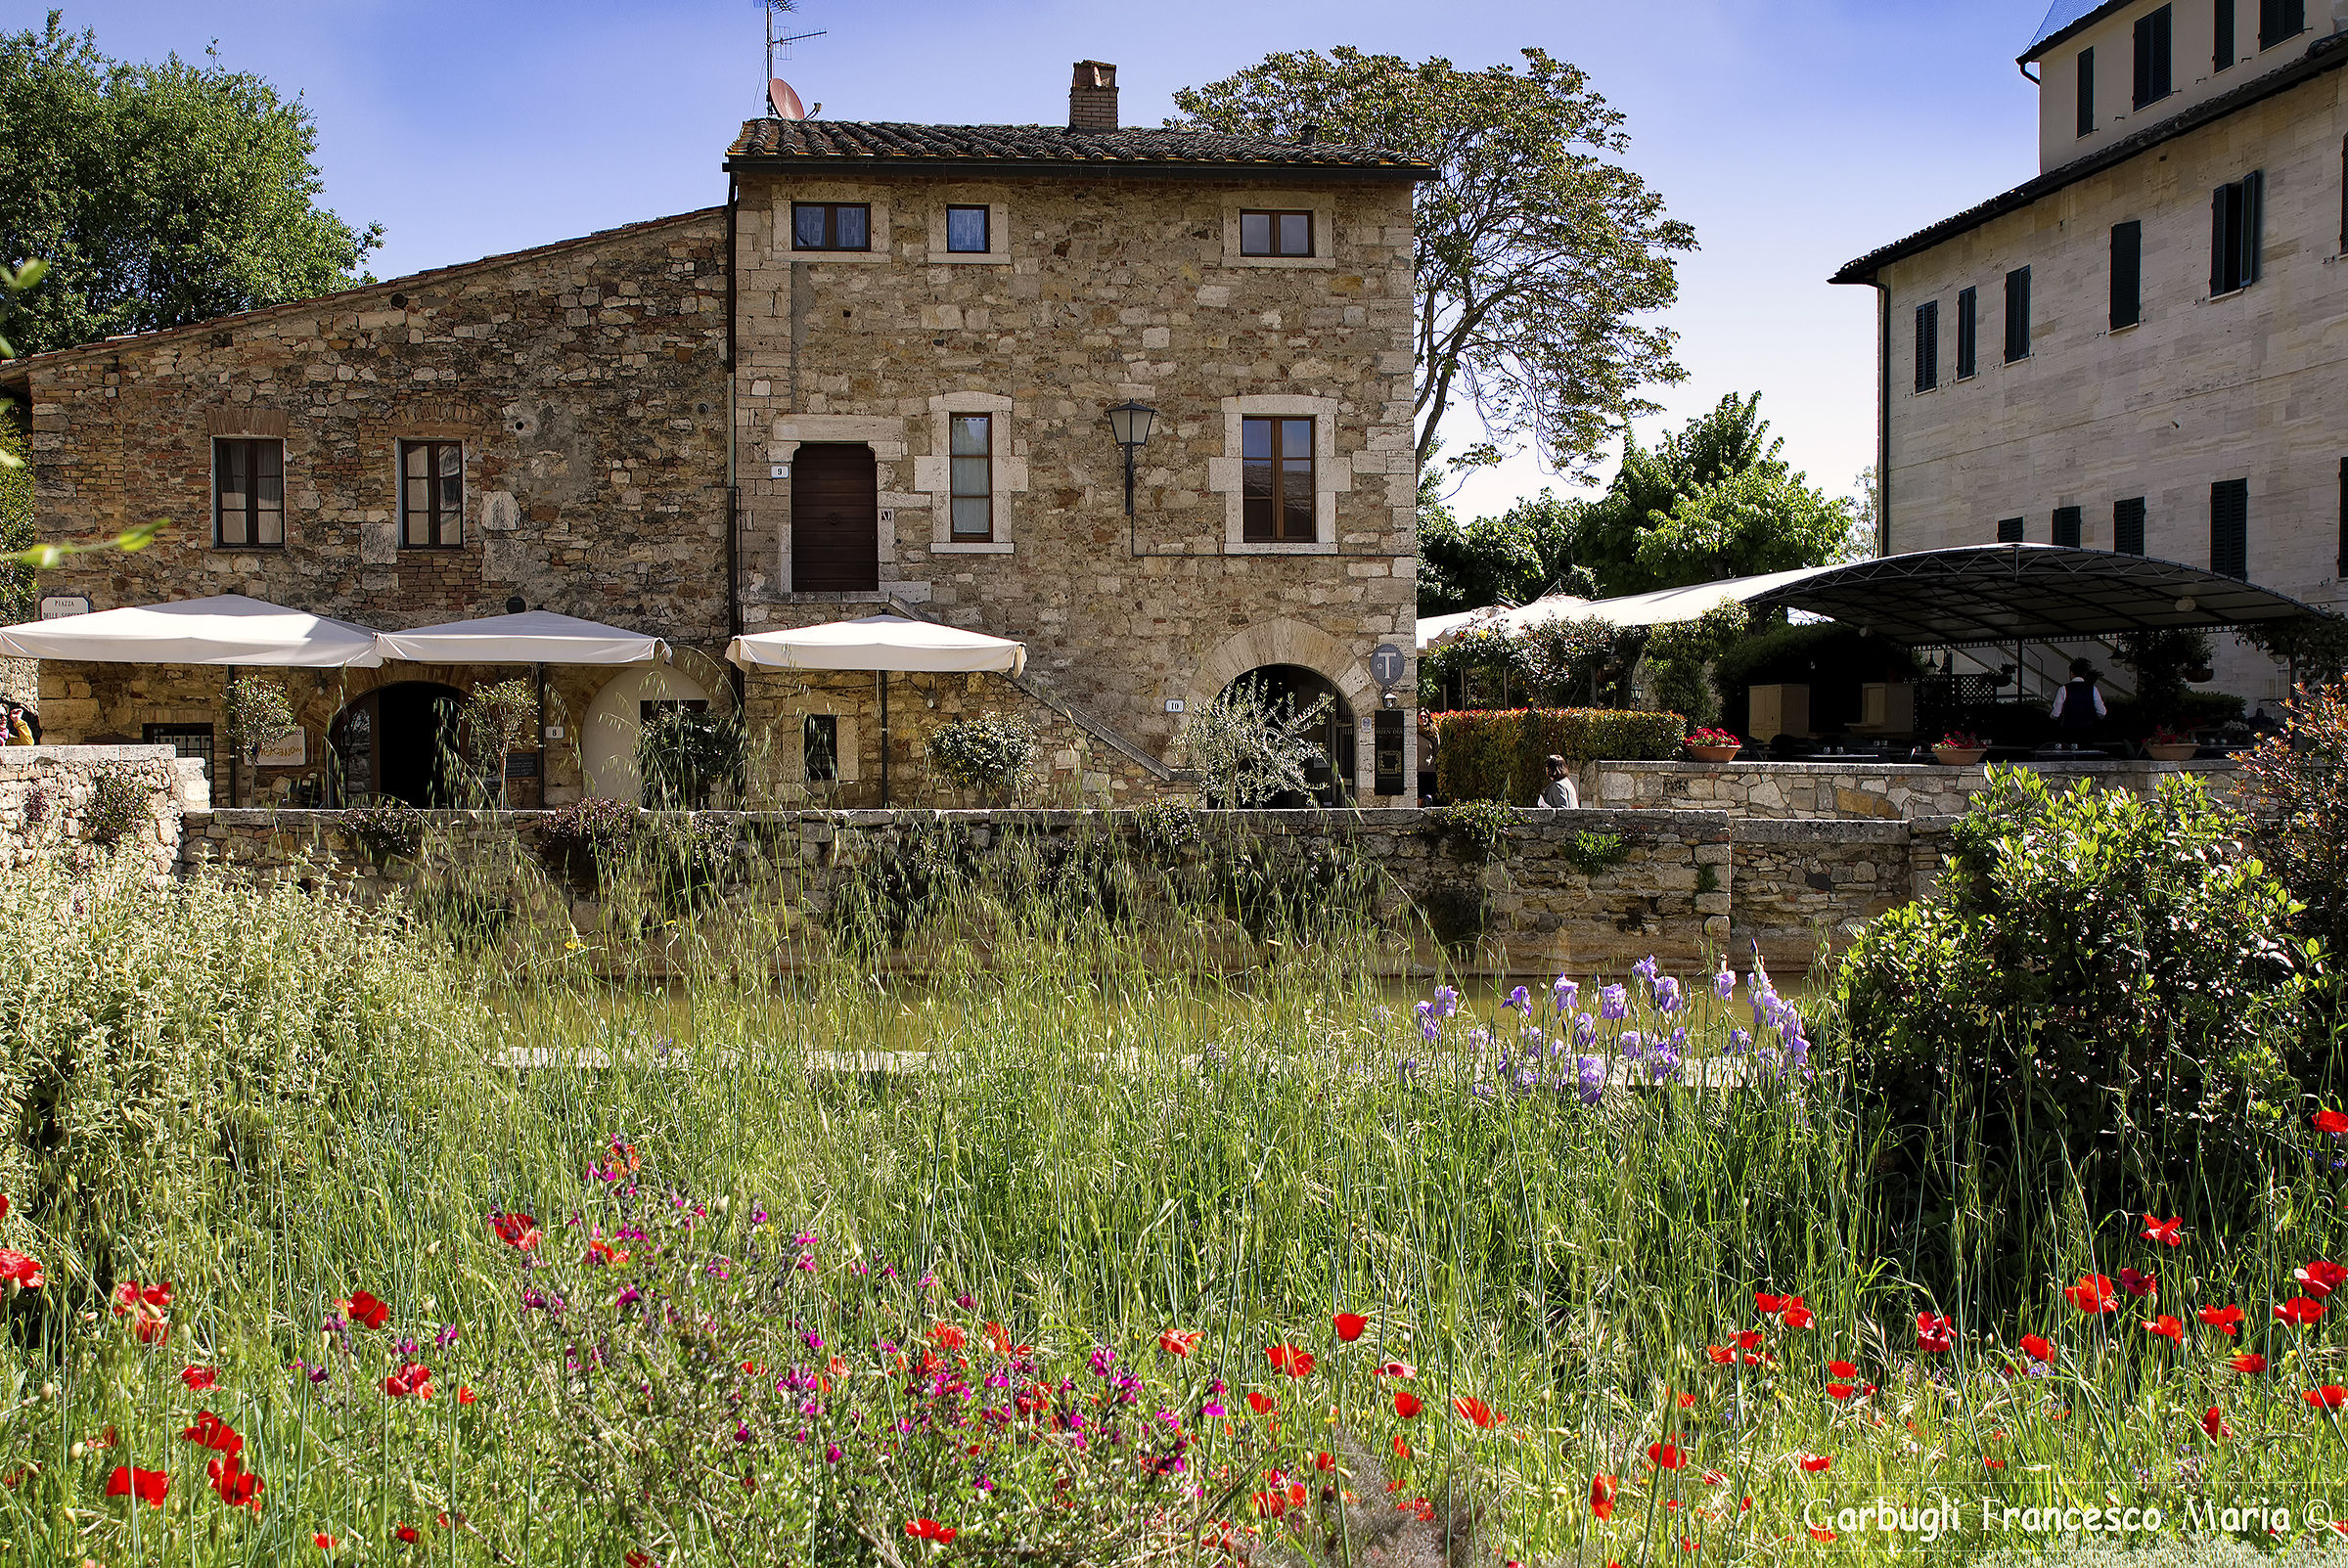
(2127, 523)
(2223, 33)
(811, 726)
(2087, 92)
(2225, 552)
(2237, 234)
(831, 212)
(2127, 274)
(1968, 334)
(955, 493)
(2069, 526)
(254, 511)
(1927, 345)
(2017, 315)
(2155, 57)
(440, 524)
(1273, 532)
(1276, 215)
(986, 229)
(2010, 530)
(2275, 19)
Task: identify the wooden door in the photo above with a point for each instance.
(834, 520)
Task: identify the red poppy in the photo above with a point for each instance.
(1798, 1316)
(147, 1486)
(928, 1529)
(238, 1486)
(2215, 1425)
(2331, 1397)
(1935, 1334)
(21, 1266)
(1602, 1488)
(2168, 1230)
(199, 1378)
(2167, 1327)
(211, 1432)
(1721, 1355)
(1665, 1456)
(323, 1541)
(412, 1378)
(1292, 1361)
(1178, 1342)
(2092, 1294)
(1269, 1504)
(2136, 1283)
(1842, 1368)
(1816, 1534)
(1323, 1461)
(1402, 1449)
(2225, 1319)
(2249, 1361)
(1815, 1462)
(144, 1306)
(366, 1310)
(1749, 1339)
(1687, 1402)
(2330, 1121)
(1471, 1408)
(1839, 1391)
(3, 1205)
(466, 1396)
(1396, 1369)
(515, 1230)
(2037, 1347)
(2300, 1309)
(2320, 1279)
(407, 1533)
(636, 1559)
(1407, 1404)
(1349, 1325)
(1261, 1403)
(947, 1336)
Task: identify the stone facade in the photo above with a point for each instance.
(2202, 389)
(51, 802)
(1821, 790)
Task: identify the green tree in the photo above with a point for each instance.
(1513, 559)
(159, 195)
(1539, 261)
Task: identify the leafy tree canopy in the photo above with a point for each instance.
(159, 195)
(1539, 260)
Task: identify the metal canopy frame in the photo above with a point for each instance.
(1984, 595)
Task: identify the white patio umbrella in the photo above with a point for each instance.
(226, 629)
(881, 644)
(532, 636)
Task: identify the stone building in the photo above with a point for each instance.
(879, 378)
(2142, 347)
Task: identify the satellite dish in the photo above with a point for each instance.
(782, 101)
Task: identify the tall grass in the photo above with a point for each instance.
(1092, 1120)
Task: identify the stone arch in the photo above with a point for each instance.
(1289, 642)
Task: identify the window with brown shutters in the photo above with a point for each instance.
(2128, 527)
(2066, 527)
(2017, 315)
(1927, 345)
(2127, 274)
(2236, 219)
(248, 493)
(1275, 481)
(1968, 332)
(2153, 70)
(432, 494)
(2229, 528)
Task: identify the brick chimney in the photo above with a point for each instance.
(1093, 97)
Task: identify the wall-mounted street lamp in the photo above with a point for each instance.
(1129, 422)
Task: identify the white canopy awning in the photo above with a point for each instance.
(1670, 606)
(228, 629)
(533, 637)
(1503, 618)
(879, 643)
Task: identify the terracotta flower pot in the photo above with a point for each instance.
(1958, 756)
(2172, 750)
(1715, 753)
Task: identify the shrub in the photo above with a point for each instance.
(993, 752)
(1679, 656)
(1475, 827)
(2102, 978)
(1596, 854)
(591, 826)
(1167, 831)
(1250, 750)
(684, 754)
(1501, 755)
(386, 829)
(118, 803)
(2296, 786)
(258, 713)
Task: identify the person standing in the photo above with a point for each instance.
(2079, 705)
(19, 732)
(1558, 794)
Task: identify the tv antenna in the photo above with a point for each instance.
(774, 40)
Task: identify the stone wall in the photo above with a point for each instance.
(1589, 892)
(1797, 791)
(1100, 289)
(54, 800)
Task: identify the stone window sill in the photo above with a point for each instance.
(971, 547)
(1263, 547)
(969, 258)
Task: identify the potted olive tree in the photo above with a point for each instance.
(991, 755)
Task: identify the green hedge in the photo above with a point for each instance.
(1499, 756)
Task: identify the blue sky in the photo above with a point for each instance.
(1793, 134)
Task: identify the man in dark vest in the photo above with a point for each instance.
(2079, 705)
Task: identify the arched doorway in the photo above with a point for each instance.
(398, 743)
(616, 718)
(1293, 689)
(835, 519)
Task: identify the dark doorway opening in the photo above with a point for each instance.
(1293, 689)
(398, 743)
(834, 520)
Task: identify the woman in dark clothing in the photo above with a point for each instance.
(2079, 705)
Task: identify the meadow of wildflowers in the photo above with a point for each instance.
(323, 1244)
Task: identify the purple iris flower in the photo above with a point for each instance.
(1667, 994)
(1724, 984)
(1447, 1001)
(1645, 969)
(1614, 1003)
(1592, 1071)
(1585, 1031)
(1564, 993)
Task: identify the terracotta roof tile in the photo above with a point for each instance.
(882, 141)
